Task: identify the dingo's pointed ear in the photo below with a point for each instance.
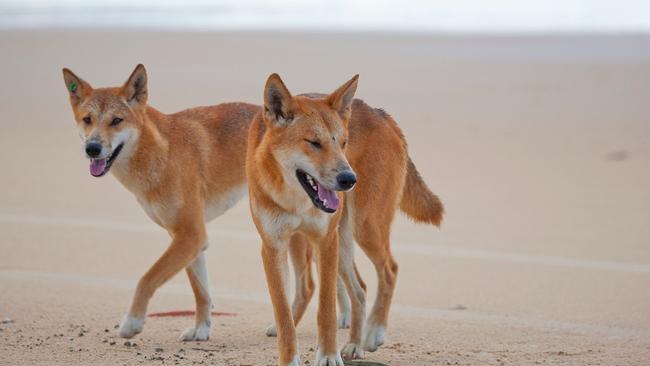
(135, 89)
(278, 102)
(77, 87)
(341, 99)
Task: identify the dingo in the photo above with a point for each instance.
(185, 169)
(303, 151)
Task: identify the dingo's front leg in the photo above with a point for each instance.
(349, 275)
(274, 256)
(185, 247)
(328, 259)
(301, 252)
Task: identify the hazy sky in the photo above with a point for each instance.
(413, 15)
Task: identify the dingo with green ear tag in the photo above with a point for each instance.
(184, 169)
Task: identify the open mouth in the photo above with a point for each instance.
(322, 197)
(99, 167)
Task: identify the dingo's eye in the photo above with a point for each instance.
(116, 121)
(86, 120)
(344, 144)
(315, 144)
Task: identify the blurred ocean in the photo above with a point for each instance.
(469, 16)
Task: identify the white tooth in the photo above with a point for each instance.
(325, 201)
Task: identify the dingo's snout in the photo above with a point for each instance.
(346, 180)
(93, 149)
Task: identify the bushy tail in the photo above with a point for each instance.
(418, 202)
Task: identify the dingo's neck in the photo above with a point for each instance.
(147, 155)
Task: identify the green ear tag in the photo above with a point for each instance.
(73, 87)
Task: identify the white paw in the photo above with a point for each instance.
(328, 360)
(295, 361)
(374, 337)
(200, 333)
(344, 320)
(352, 351)
(271, 331)
(130, 326)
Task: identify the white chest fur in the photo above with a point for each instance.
(279, 226)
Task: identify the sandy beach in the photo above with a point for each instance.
(539, 146)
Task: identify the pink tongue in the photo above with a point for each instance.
(328, 197)
(97, 166)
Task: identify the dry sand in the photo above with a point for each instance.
(539, 147)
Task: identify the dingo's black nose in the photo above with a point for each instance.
(346, 180)
(93, 149)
